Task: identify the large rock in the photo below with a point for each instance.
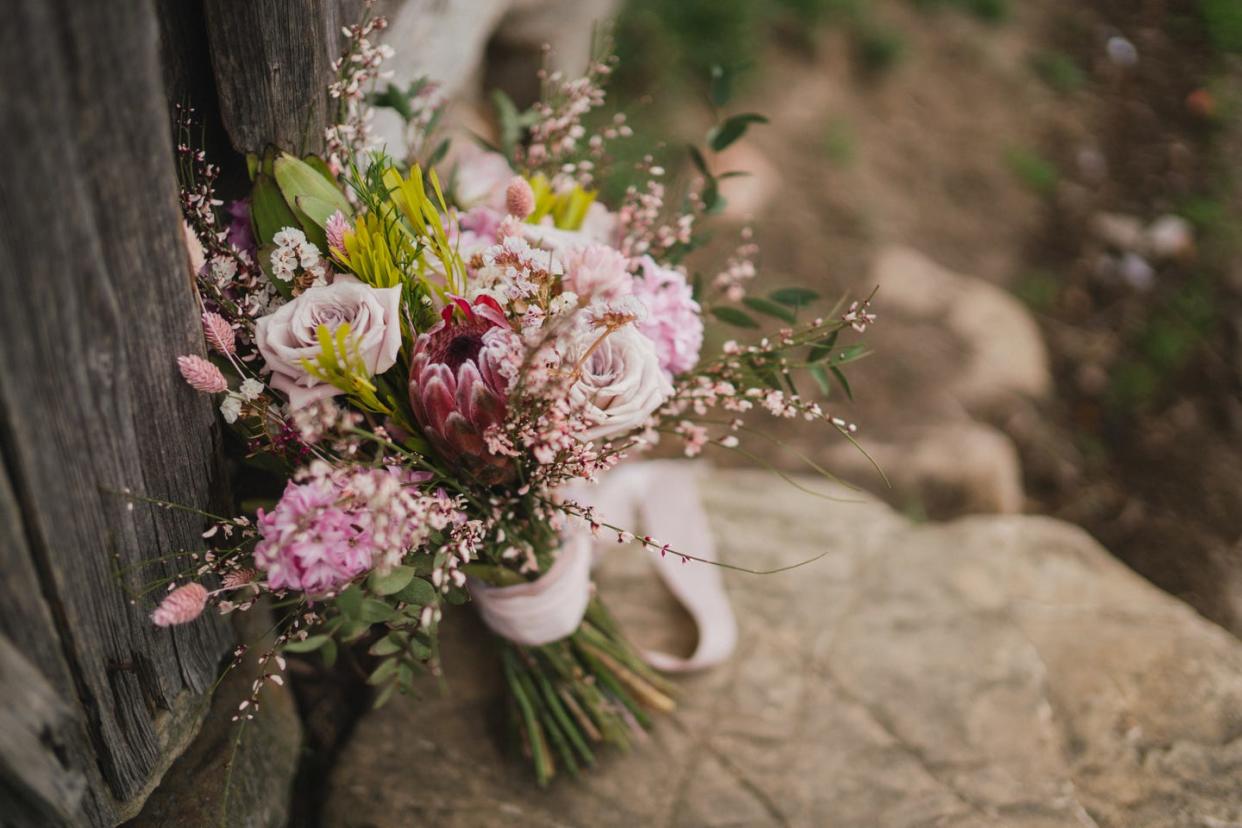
(992, 671)
(1005, 353)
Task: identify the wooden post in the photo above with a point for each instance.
(95, 304)
(273, 63)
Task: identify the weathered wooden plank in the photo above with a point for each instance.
(272, 61)
(95, 302)
(36, 785)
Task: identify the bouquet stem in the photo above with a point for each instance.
(591, 688)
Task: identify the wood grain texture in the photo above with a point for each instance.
(95, 303)
(35, 784)
(272, 61)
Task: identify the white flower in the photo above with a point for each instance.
(619, 383)
(231, 408)
(290, 335)
(250, 389)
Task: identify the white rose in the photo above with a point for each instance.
(480, 178)
(291, 334)
(620, 383)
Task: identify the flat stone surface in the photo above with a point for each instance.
(199, 791)
(998, 670)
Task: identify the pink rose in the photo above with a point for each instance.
(291, 334)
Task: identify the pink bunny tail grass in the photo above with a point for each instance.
(182, 605)
(519, 198)
(219, 333)
(202, 375)
(237, 578)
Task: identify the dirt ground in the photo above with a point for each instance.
(994, 148)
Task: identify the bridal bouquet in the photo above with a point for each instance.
(438, 356)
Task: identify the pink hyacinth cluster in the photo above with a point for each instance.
(182, 605)
(333, 525)
(313, 540)
(674, 321)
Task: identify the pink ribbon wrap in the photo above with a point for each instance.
(663, 495)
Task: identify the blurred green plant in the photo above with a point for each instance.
(990, 11)
(1223, 21)
(1059, 71)
(839, 143)
(1033, 170)
(1038, 289)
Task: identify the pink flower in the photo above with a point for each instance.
(480, 178)
(219, 333)
(182, 605)
(674, 321)
(335, 229)
(596, 271)
(194, 248)
(519, 198)
(312, 541)
(458, 389)
(202, 375)
(291, 334)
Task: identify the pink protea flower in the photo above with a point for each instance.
(674, 321)
(312, 541)
(519, 198)
(202, 375)
(182, 605)
(459, 384)
(219, 333)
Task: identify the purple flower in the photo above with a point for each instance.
(313, 541)
(674, 320)
(241, 235)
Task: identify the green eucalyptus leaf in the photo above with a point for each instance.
(769, 308)
(417, 591)
(734, 317)
(375, 611)
(732, 129)
(820, 375)
(385, 695)
(850, 353)
(349, 602)
(510, 121)
(699, 161)
(328, 653)
(306, 645)
(391, 583)
(386, 670)
(794, 297)
(845, 386)
(385, 646)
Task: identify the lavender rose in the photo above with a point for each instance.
(291, 334)
(620, 382)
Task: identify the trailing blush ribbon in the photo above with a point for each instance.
(663, 494)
